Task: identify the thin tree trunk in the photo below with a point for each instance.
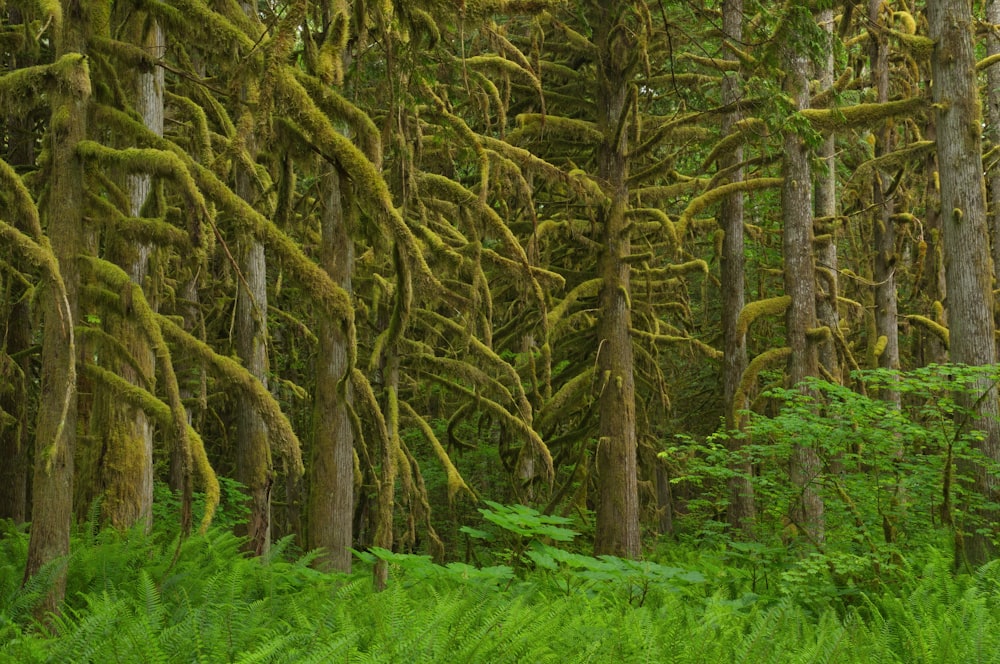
(800, 285)
(742, 512)
(14, 377)
(966, 254)
(331, 486)
(618, 494)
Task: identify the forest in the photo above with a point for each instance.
(499, 330)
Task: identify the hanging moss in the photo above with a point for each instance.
(667, 338)
(935, 328)
(771, 306)
(768, 358)
(716, 194)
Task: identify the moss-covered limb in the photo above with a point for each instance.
(147, 161)
(659, 216)
(919, 46)
(589, 288)
(712, 63)
(21, 206)
(528, 162)
(662, 131)
(647, 196)
(935, 328)
(861, 115)
(145, 230)
(673, 339)
(893, 160)
(230, 371)
(739, 133)
(551, 280)
(551, 129)
(716, 194)
(337, 107)
(200, 136)
(455, 481)
(111, 347)
(771, 306)
(509, 419)
(467, 374)
(566, 400)
(767, 358)
(223, 32)
(495, 64)
(124, 54)
(28, 88)
(696, 265)
(373, 192)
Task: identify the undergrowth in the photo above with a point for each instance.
(139, 598)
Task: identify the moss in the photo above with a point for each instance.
(768, 307)
(712, 63)
(716, 194)
(555, 130)
(589, 288)
(861, 115)
(767, 358)
(935, 328)
(713, 353)
(339, 108)
(28, 88)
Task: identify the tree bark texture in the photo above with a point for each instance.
(331, 487)
(618, 498)
(742, 511)
(968, 269)
(800, 285)
(55, 433)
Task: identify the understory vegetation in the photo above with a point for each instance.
(150, 598)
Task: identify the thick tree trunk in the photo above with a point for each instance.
(331, 486)
(968, 268)
(742, 511)
(55, 433)
(800, 285)
(618, 495)
(126, 472)
(993, 133)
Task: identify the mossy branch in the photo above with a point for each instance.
(669, 338)
(935, 328)
(555, 129)
(589, 288)
(767, 358)
(454, 478)
(336, 106)
(716, 194)
(231, 372)
(566, 400)
(861, 115)
(28, 88)
(771, 306)
(20, 205)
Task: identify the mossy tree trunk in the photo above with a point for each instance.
(618, 501)
(800, 285)
(331, 484)
(967, 263)
(254, 464)
(55, 433)
(993, 134)
(742, 510)
(15, 375)
(124, 431)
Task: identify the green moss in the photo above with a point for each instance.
(716, 194)
(861, 115)
(771, 306)
(767, 358)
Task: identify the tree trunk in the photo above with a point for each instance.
(886, 320)
(618, 496)
(966, 252)
(14, 379)
(331, 486)
(742, 512)
(825, 206)
(126, 472)
(993, 133)
(800, 285)
(55, 433)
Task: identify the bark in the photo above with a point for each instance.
(742, 511)
(886, 319)
(800, 285)
(55, 433)
(126, 433)
(968, 269)
(254, 465)
(331, 486)
(993, 134)
(825, 206)
(618, 500)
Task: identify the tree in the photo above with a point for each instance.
(966, 253)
